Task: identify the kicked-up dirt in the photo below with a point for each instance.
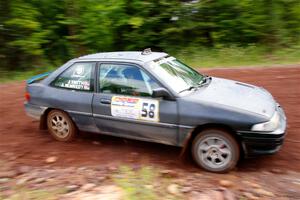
(23, 144)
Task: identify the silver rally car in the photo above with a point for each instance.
(152, 96)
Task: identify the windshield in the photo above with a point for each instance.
(176, 74)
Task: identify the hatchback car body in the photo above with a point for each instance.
(152, 96)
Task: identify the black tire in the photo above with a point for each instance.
(65, 131)
(207, 159)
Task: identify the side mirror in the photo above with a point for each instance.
(161, 92)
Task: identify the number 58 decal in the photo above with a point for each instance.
(149, 110)
(135, 108)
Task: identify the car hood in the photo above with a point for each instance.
(237, 95)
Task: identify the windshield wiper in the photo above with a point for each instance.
(188, 89)
(205, 80)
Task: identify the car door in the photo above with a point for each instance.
(72, 91)
(123, 105)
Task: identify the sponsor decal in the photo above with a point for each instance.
(78, 72)
(135, 108)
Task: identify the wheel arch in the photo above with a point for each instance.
(43, 119)
(198, 129)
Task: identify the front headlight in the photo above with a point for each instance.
(271, 125)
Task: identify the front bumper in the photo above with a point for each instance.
(262, 143)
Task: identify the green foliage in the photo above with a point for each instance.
(143, 184)
(235, 56)
(34, 32)
(25, 193)
(27, 34)
(231, 56)
(135, 184)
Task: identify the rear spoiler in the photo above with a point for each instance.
(38, 77)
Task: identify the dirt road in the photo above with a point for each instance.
(23, 142)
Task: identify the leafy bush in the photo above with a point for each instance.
(35, 32)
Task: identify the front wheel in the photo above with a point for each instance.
(215, 150)
(60, 126)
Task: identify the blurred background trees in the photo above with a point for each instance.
(35, 32)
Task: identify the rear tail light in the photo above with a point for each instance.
(27, 96)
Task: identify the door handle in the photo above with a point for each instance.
(105, 101)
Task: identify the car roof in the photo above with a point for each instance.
(125, 56)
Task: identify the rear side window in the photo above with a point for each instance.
(77, 77)
(125, 79)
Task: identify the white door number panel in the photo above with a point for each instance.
(135, 108)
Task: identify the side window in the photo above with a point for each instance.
(77, 77)
(125, 80)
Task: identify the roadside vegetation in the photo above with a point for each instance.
(24, 193)
(137, 184)
(145, 183)
(38, 36)
(141, 182)
(232, 56)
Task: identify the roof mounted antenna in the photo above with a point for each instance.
(146, 51)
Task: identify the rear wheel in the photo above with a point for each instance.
(215, 150)
(60, 126)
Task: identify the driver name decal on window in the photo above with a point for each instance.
(78, 76)
(135, 108)
(79, 85)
